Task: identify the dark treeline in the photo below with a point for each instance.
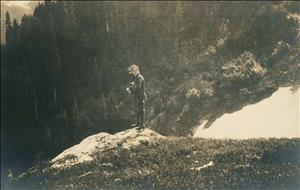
(63, 69)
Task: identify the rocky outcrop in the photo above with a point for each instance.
(86, 150)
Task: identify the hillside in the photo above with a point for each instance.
(139, 160)
(64, 68)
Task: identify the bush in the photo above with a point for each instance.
(241, 70)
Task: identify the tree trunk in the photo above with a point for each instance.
(36, 111)
(54, 96)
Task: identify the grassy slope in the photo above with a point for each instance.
(166, 164)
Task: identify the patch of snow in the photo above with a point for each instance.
(107, 164)
(276, 116)
(118, 180)
(84, 151)
(83, 175)
(241, 166)
(200, 128)
(204, 166)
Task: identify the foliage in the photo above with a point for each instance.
(179, 163)
(243, 69)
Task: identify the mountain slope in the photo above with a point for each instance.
(64, 68)
(171, 163)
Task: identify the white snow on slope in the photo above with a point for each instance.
(84, 151)
(276, 116)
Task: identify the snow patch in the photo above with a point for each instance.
(276, 116)
(204, 166)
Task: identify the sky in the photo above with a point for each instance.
(276, 116)
(23, 4)
(16, 9)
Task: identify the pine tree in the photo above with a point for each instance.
(8, 27)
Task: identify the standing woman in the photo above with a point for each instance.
(137, 88)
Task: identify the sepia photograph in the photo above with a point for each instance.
(162, 95)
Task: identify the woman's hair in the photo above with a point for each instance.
(133, 69)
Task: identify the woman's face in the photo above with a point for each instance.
(135, 73)
(131, 76)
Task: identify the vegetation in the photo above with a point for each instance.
(64, 75)
(180, 163)
(16, 12)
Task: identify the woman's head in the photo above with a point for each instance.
(133, 70)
